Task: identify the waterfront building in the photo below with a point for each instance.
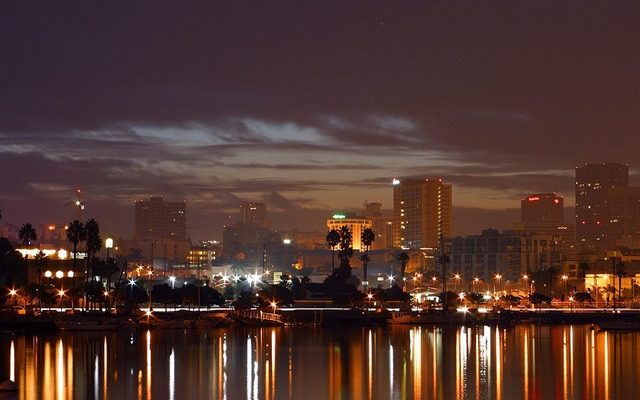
(421, 212)
(509, 254)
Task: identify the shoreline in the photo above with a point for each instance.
(11, 323)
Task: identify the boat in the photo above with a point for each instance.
(8, 386)
(93, 325)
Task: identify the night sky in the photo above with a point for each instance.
(309, 106)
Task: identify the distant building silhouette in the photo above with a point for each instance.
(382, 226)
(607, 208)
(161, 231)
(254, 213)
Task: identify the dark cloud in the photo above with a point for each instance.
(219, 103)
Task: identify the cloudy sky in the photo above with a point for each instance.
(309, 106)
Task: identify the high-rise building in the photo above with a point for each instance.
(161, 231)
(421, 212)
(597, 221)
(159, 219)
(254, 213)
(542, 208)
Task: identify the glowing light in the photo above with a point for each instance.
(339, 216)
(286, 241)
(463, 309)
(108, 243)
(533, 198)
(59, 274)
(62, 254)
(395, 182)
(13, 292)
(70, 274)
(48, 274)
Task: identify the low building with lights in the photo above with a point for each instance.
(356, 225)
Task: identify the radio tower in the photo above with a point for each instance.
(79, 204)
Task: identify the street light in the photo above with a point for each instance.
(498, 277)
(108, 244)
(476, 280)
(172, 279)
(13, 292)
(390, 278)
(525, 277)
(565, 279)
(457, 278)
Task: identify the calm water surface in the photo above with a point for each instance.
(523, 362)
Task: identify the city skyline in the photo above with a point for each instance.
(311, 109)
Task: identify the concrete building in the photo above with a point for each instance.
(607, 208)
(156, 218)
(254, 213)
(382, 226)
(421, 212)
(542, 208)
(510, 254)
(161, 231)
(543, 213)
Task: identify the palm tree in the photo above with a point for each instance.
(404, 260)
(367, 238)
(346, 247)
(94, 242)
(27, 234)
(41, 263)
(76, 233)
(333, 238)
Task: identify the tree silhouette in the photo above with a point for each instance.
(27, 234)
(94, 241)
(345, 247)
(333, 238)
(403, 257)
(367, 238)
(41, 264)
(76, 233)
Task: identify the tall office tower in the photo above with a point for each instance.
(255, 214)
(595, 227)
(159, 219)
(542, 208)
(421, 212)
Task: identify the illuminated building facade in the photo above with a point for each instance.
(356, 226)
(421, 212)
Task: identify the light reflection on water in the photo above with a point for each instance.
(527, 362)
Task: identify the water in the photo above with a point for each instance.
(396, 362)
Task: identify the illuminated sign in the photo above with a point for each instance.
(339, 216)
(533, 198)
